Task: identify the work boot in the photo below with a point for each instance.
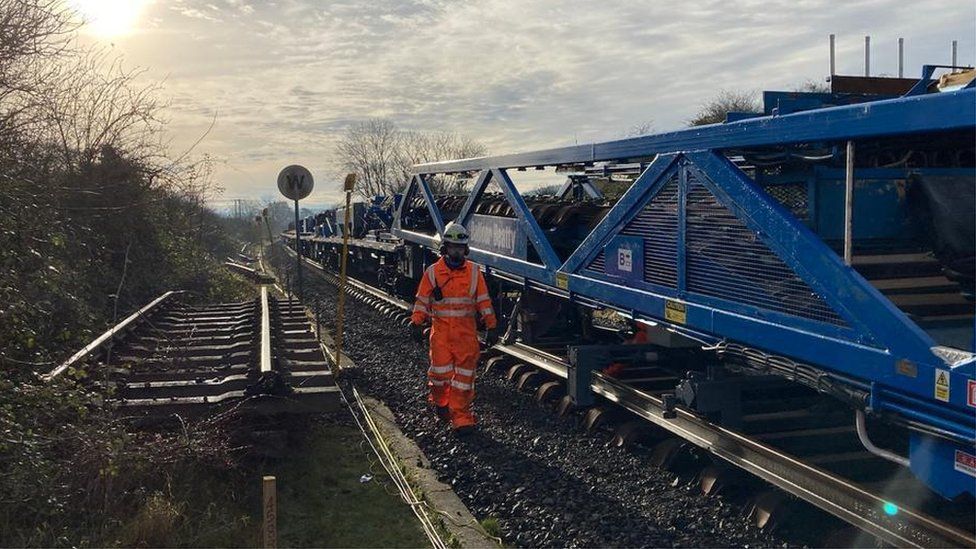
(443, 412)
(464, 431)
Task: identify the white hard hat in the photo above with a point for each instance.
(455, 233)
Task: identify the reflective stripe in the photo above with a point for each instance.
(482, 297)
(486, 312)
(452, 313)
(419, 308)
(430, 276)
(424, 299)
(441, 369)
(461, 385)
(464, 371)
(456, 301)
(474, 279)
(438, 382)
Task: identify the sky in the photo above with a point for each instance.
(281, 80)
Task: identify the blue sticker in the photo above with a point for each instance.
(625, 258)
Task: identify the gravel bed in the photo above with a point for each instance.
(548, 482)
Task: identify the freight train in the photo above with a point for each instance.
(825, 243)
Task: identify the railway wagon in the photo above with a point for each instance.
(826, 243)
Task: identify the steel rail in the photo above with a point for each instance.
(358, 285)
(265, 363)
(820, 488)
(108, 337)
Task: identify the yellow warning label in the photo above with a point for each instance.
(675, 312)
(942, 385)
(562, 281)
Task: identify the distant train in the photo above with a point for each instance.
(827, 241)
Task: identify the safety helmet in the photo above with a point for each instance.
(455, 233)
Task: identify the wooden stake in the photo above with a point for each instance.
(270, 499)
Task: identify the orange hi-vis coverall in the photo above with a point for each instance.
(453, 334)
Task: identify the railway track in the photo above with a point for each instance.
(786, 440)
(170, 357)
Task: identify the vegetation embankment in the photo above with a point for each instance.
(96, 219)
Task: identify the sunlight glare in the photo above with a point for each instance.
(108, 18)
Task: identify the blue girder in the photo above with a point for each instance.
(921, 113)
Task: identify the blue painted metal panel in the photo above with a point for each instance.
(947, 468)
(499, 235)
(906, 115)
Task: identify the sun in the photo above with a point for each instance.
(109, 18)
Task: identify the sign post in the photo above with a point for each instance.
(347, 187)
(295, 182)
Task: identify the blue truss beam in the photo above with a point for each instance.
(934, 112)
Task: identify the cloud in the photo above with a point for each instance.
(286, 78)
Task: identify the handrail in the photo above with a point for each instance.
(108, 336)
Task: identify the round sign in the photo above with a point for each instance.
(295, 182)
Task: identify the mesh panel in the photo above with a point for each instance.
(727, 260)
(597, 265)
(657, 224)
(793, 197)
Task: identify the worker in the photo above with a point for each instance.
(453, 294)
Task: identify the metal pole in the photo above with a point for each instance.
(955, 47)
(832, 58)
(298, 255)
(271, 244)
(867, 56)
(849, 205)
(901, 58)
(346, 227)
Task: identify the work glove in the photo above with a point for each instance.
(491, 337)
(417, 333)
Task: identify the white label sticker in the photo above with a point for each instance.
(625, 260)
(965, 463)
(942, 385)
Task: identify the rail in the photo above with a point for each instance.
(265, 331)
(106, 338)
(254, 274)
(357, 285)
(815, 486)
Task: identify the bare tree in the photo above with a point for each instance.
(640, 128)
(715, 110)
(94, 102)
(812, 86)
(421, 147)
(32, 34)
(369, 149)
(383, 156)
